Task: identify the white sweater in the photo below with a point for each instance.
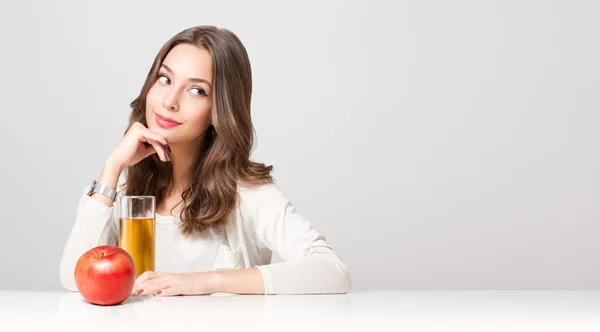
(264, 221)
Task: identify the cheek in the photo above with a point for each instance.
(153, 102)
(202, 115)
(152, 96)
(198, 116)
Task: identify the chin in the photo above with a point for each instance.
(155, 127)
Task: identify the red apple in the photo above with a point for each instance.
(105, 275)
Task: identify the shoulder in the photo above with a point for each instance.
(263, 207)
(263, 199)
(266, 193)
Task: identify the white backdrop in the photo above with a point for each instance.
(437, 144)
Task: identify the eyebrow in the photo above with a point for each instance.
(199, 80)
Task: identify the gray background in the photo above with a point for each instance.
(437, 144)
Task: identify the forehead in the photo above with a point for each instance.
(189, 61)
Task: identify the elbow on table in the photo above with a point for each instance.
(336, 272)
(68, 283)
(67, 278)
(344, 280)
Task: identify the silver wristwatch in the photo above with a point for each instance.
(103, 190)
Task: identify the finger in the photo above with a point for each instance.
(155, 145)
(150, 150)
(139, 129)
(135, 126)
(160, 150)
(160, 143)
(153, 286)
(153, 136)
(148, 275)
(168, 291)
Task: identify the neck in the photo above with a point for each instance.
(183, 156)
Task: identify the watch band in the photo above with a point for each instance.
(103, 190)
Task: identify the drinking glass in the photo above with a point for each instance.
(137, 230)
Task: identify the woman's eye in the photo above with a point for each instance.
(199, 92)
(164, 79)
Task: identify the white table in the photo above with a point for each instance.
(480, 311)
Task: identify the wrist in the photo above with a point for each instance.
(204, 282)
(237, 281)
(113, 166)
(110, 174)
(109, 177)
(215, 282)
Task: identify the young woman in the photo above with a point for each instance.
(219, 216)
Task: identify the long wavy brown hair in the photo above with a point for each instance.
(224, 159)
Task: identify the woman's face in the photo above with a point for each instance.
(178, 105)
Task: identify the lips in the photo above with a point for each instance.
(165, 122)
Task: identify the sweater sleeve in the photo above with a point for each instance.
(95, 224)
(310, 266)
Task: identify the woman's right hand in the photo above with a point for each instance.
(137, 144)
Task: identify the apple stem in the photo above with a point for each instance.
(101, 254)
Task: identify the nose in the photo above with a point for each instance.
(170, 102)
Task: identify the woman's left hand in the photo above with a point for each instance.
(171, 284)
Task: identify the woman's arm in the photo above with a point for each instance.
(310, 265)
(238, 281)
(92, 227)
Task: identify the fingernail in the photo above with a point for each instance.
(139, 292)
